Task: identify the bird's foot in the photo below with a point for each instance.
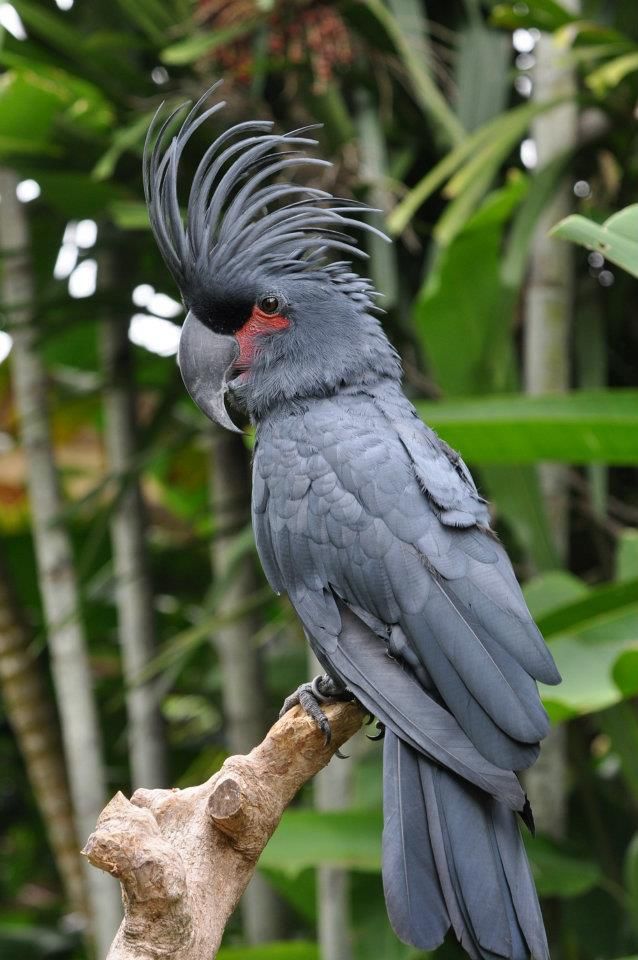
(310, 697)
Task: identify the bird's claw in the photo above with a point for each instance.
(310, 696)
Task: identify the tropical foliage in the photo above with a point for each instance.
(429, 111)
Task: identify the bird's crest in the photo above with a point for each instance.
(237, 218)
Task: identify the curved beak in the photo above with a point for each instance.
(205, 360)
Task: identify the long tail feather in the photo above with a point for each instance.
(453, 856)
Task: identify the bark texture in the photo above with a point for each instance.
(31, 713)
(184, 857)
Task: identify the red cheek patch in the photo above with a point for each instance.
(259, 323)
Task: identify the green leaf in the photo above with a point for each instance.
(625, 672)
(516, 494)
(580, 427)
(425, 90)
(616, 238)
(543, 185)
(558, 874)
(542, 14)
(609, 598)
(196, 45)
(586, 658)
(281, 950)
(464, 301)
(627, 555)
(126, 138)
(308, 838)
(32, 101)
(608, 76)
(129, 215)
(549, 592)
(483, 150)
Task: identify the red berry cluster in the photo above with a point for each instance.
(301, 33)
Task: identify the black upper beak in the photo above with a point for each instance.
(205, 360)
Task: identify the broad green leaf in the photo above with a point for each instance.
(625, 672)
(464, 301)
(306, 838)
(33, 100)
(609, 598)
(558, 874)
(552, 591)
(608, 76)
(281, 950)
(581, 427)
(616, 238)
(586, 659)
(106, 67)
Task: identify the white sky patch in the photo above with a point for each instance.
(159, 75)
(86, 234)
(523, 85)
(143, 294)
(6, 342)
(523, 40)
(163, 306)
(83, 280)
(154, 334)
(70, 231)
(66, 261)
(28, 190)
(529, 153)
(10, 20)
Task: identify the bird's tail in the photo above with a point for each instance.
(453, 856)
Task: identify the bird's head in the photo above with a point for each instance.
(271, 317)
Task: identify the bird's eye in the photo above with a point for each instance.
(269, 304)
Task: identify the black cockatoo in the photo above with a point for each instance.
(368, 521)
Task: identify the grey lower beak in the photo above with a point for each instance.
(205, 359)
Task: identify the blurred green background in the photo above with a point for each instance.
(139, 643)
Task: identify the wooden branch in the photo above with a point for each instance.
(184, 857)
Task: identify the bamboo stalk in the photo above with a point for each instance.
(54, 557)
(548, 310)
(133, 592)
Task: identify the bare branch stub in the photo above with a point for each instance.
(184, 857)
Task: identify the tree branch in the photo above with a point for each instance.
(184, 857)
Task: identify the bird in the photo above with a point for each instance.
(368, 521)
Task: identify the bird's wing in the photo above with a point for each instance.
(345, 507)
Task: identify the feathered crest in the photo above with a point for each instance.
(236, 217)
